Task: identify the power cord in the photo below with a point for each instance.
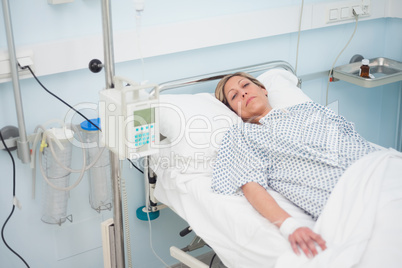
(135, 166)
(12, 210)
(126, 220)
(212, 261)
(60, 99)
(298, 36)
(347, 44)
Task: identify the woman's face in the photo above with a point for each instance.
(247, 99)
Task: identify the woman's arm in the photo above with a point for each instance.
(263, 202)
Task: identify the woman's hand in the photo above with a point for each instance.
(289, 227)
(307, 240)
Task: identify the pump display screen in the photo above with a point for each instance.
(144, 117)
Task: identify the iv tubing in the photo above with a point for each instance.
(298, 36)
(33, 154)
(147, 200)
(60, 188)
(37, 136)
(138, 23)
(151, 243)
(61, 147)
(50, 145)
(75, 170)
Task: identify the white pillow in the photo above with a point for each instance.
(195, 125)
(282, 88)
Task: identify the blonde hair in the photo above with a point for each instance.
(220, 88)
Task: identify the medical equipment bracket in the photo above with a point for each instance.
(151, 209)
(385, 71)
(131, 127)
(23, 151)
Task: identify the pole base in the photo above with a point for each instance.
(142, 215)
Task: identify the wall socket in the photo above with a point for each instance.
(343, 11)
(5, 67)
(56, 2)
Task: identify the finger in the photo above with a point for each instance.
(305, 249)
(300, 239)
(308, 239)
(321, 242)
(311, 246)
(294, 246)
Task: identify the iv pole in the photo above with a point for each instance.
(114, 159)
(23, 151)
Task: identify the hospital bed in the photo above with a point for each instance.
(362, 221)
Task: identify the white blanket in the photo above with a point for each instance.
(362, 221)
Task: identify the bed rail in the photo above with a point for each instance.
(218, 75)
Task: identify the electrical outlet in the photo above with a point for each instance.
(56, 2)
(366, 9)
(343, 11)
(23, 57)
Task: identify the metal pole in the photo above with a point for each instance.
(23, 151)
(398, 138)
(114, 159)
(108, 43)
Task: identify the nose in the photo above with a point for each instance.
(244, 93)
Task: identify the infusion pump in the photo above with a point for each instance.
(129, 119)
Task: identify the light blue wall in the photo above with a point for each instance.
(77, 244)
(36, 21)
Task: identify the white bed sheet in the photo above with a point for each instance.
(236, 232)
(362, 221)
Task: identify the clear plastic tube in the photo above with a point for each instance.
(50, 141)
(61, 165)
(99, 176)
(55, 201)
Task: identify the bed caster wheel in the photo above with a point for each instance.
(143, 215)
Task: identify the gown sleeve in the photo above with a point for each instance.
(237, 163)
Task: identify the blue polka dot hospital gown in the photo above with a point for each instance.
(300, 152)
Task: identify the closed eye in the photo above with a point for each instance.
(234, 96)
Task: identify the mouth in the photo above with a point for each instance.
(250, 99)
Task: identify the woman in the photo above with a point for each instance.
(299, 152)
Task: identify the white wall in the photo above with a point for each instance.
(69, 32)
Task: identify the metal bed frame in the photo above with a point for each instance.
(218, 75)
